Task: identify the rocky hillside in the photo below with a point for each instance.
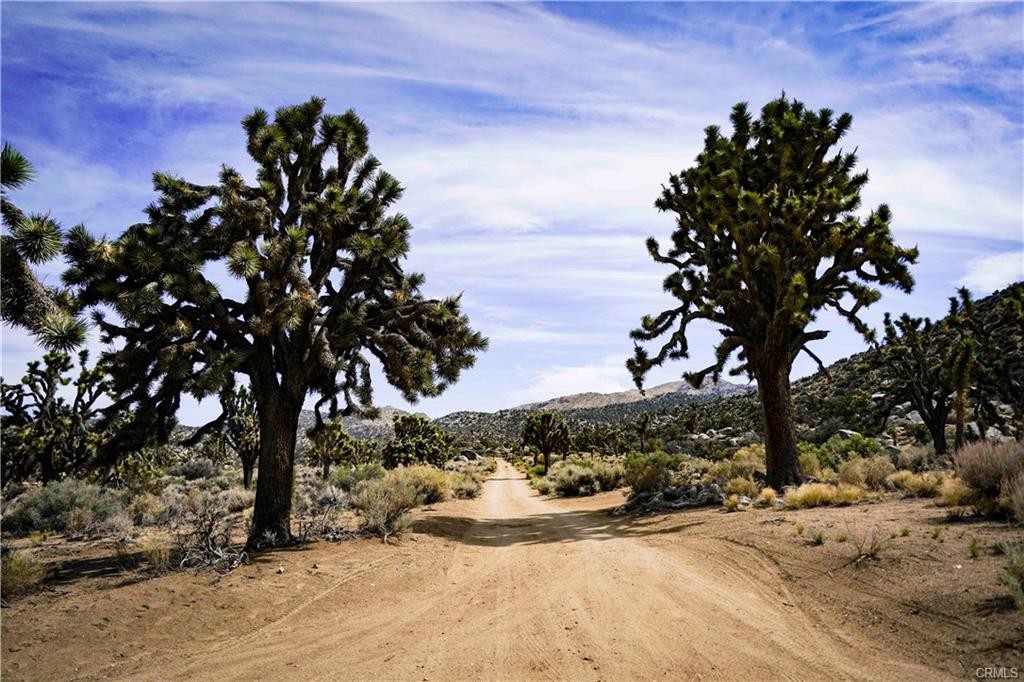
(655, 397)
(380, 428)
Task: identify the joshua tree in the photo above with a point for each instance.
(548, 433)
(643, 426)
(417, 441)
(327, 444)
(766, 237)
(31, 240)
(241, 429)
(929, 367)
(43, 433)
(318, 258)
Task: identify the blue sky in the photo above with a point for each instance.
(533, 140)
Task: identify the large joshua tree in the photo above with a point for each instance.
(766, 237)
(322, 292)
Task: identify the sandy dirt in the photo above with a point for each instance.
(512, 586)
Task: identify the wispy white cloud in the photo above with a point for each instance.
(989, 273)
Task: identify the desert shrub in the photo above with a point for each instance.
(868, 545)
(465, 486)
(742, 486)
(953, 492)
(144, 509)
(820, 494)
(807, 454)
(313, 496)
(609, 475)
(731, 503)
(1013, 496)
(430, 483)
(348, 477)
(766, 498)
(870, 473)
(489, 464)
(742, 464)
(927, 484)
(119, 525)
(571, 479)
(20, 573)
(647, 472)
(194, 469)
(205, 538)
(543, 486)
(53, 506)
(915, 458)
(1013, 574)
(238, 499)
(384, 505)
(535, 471)
(838, 449)
(984, 465)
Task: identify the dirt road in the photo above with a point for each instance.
(538, 589)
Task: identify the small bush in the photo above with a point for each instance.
(647, 473)
(870, 473)
(984, 466)
(119, 526)
(58, 504)
(571, 480)
(838, 449)
(205, 541)
(145, 509)
(465, 486)
(743, 487)
(609, 475)
(1013, 574)
(807, 454)
(867, 546)
(430, 483)
(743, 464)
(915, 458)
(953, 492)
(927, 484)
(348, 477)
(818, 537)
(384, 505)
(20, 573)
(543, 486)
(731, 503)
(195, 469)
(1013, 493)
(766, 498)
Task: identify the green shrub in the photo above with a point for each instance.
(839, 449)
(543, 486)
(1013, 574)
(194, 469)
(384, 505)
(647, 472)
(429, 483)
(742, 464)
(20, 573)
(985, 466)
(53, 507)
(609, 474)
(571, 479)
(348, 477)
(807, 454)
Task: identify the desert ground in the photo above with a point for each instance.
(516, 586)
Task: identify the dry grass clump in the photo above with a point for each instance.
(984, 466)
(915, 458)
(766, 498)
(157, 554)
(821, 494)
(743, 487)
(20, 573)
(1013, 574)
(928, 484)
(743, 464)
(731, 503)
(953, 492)
(384, 505)
(1013, 495)
(866, 472)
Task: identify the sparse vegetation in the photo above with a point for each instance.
(384, 505)
(19, 573)
(1013, 574)
(819, 494)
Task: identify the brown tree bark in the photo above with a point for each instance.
(279, 421)
(782, 466)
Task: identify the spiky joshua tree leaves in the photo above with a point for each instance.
(318, 257)
(766, 237)
(548, 433)
(241, 429)
(31, 239)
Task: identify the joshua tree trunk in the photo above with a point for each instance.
(937, 429)
(960, 405)
(247, 467)
(279, 420)
(546, 457)
(779, 433)
(327, 469)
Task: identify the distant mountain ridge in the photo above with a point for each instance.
(666, 392)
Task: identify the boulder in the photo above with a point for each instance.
(914, 417)
(846, 434)
(470, 455)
